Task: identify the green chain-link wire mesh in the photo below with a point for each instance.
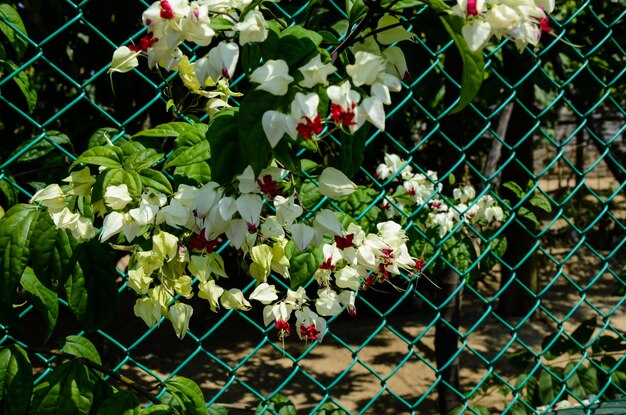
(563, 133)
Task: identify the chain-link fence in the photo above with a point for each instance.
(550, 120)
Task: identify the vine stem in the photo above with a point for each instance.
(350, 38)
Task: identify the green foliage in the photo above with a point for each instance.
(42, 298)
(302, 263)
(184, 395)
(279, 404)
(223, 136)
(16, 380)
(121, 403)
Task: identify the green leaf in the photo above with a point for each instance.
(582, 381)
(287, 157)
(278, 404)
(155, 180)
(193, 174)
(188, 394)
(497, 249)
(309, 194)
(473, 62)
(462, 254)
(221, 23)
(184, 156)
(44, 252)
(541, 202)
(515, 188)
(520, 359)
(297, 45)
(217, 410)
(42, 298)
(352, 151)
(122, 403)
(583, 334)
(160, 409)
(330, 409)
(172, 129)
(68, 389)
(8, 194)
(481, 410)
(91, 289)
(143, 159)
(561, 346)
(103, 136)
(115, 177)
(80, 347)
(105, 156)
(356, 9)
(16, 228)
(303, 264)
(16, 380)
(193, 135)
(223, 136)
(528, 215)
(548, 388)
(16, 40)
(23, 83)
(253, 144)
(43, 146)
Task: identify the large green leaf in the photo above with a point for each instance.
(253, 144)
(297, 45)
(284, 153)
(16, 380)
(188, 395)
(42, 298)
(91, 289)
(303, 264)
(122, 403)
(45, 253)
(115, 177)
(223, 136)
(43, 146)
(160, 409)
(473, 62)
(80, 347)
(16, 40)
(142, 159)
(68, 389)
(105, 156)
(582, 381)
(184, 156)
(352, 151)
(155, 180)
(548, 387)
(16, 228)
(103, 136)
(23, 83)
(172, 129)
(195, 174)
(217, 410)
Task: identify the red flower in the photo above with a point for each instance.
(143, 44)
(419, 265)
(472, 9)
(283, 327)
(309, 332)
(166, 10)
(544, 25)
(343, 243)
(310, 127)
(199, 243)
(268, 186)
(341, 116)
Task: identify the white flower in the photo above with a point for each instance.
(51, 196)
(310, 326)
(210, 291)
(366, 68)
(272, 77)
(302, 235)
(252, 29)
(81, 181)
(348, 277)
(123, 60)
(139, 281)
(326, 221)
(117, 197)
(315, 72)
(179, 315)
(327, 303)
(333, 183)
(286, 209)
(148, 310)
(396, 63)
(274, 126)
(265, 293)
(476, 33)
(234, 299)
(373, 108)
(197, 26)
(249, 207)
(112, 225)
(174, 214)
(220, 61)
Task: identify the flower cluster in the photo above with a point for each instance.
(173, 241)
(423, 189)
(519, 20)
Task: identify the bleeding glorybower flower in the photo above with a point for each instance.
(273, 77)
